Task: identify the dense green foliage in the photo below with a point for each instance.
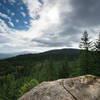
(21, 73)
(27, 86)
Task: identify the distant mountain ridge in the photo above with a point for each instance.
(57, 54)
(4, 56)
(29, 60)
(36, 55)
(9, 55)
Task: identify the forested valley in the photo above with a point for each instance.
(21, 73)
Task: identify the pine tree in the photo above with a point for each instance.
(97, 57)
(85, 43)
(84, 60)
(64, 70)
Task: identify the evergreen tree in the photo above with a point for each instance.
(84, 60)
(85, 43)
(64, 70)
(97, 57)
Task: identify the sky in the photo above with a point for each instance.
(41, 25)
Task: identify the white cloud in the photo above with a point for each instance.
(5, 16)
(12, 13)
(47, 28)
(49, 21)
(21, 8)
(17, 20)
(33, 6)
(11, 23)
(3, 27)
(23, 14)
(25, 22)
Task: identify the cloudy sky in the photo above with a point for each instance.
(40, 25)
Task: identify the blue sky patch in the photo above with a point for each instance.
(16, 14)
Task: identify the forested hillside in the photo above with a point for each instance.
(21, 73)
(17, 71)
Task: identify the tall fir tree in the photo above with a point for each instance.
(84, 60)
(85, 42)
(97, 57)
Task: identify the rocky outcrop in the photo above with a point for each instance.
(79, 88)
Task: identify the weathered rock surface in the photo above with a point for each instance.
(79, 88)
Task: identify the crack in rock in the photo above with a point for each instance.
(68, 91)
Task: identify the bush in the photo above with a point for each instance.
(27, 86)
